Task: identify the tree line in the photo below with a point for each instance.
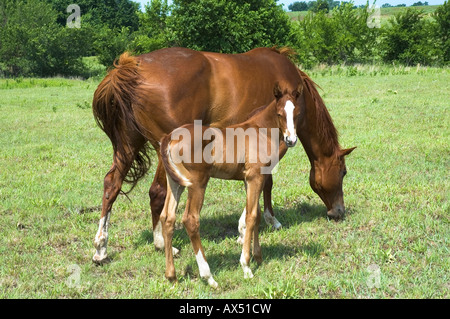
(318, 5)
(36, 40)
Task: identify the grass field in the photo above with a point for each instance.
(393, 243)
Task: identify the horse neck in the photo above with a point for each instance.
(317, 132)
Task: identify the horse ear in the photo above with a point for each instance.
(298, 91)
(277, 91)
(347, 151)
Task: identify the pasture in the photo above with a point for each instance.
(393, 243)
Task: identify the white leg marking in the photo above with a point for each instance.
(205, 272)
(271, 220)
(158, 239)
(247, 271)
(242, 227)
(101, 239)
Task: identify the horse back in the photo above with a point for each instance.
(183, 85)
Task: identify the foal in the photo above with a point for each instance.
(215, 154)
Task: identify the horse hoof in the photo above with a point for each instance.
(240, 240)
(248, 273)
(100, 259)
(277, 225)
(212, 283)
(172, 279)
(175, 252)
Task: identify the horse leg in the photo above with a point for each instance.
(191, 221)
(269, 216)
(167, 219)
(112, 185)
(254, 188)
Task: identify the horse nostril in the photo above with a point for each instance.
(290, 141)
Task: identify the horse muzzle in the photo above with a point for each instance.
(336, 213)
(290, 140)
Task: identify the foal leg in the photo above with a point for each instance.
(167, 218)
(242, 226)
(256, 245)
(254, 188)
(191, 221)
(269, 216)
(157, 195)
(112, 185)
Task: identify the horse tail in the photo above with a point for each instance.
(113, 111)
(174, 171)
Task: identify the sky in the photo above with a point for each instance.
(357, 2)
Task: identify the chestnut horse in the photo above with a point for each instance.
(145, 97)
(235, 152)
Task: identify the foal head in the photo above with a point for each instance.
(288, 112)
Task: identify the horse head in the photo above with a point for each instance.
(288, 111)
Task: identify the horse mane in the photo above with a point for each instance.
(285, 51)
(324, 125)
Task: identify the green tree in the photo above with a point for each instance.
(409, 39)
(320, 5)
(442, 29)
(229, 25)
(341, 36)
(153, 32)
(32, 42)
(113, 13)
(298, 6)
(110, 43)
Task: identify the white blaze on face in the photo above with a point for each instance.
(290, 132)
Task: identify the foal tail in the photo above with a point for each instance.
(113, 111)
(177, 173)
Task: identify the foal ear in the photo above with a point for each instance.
(298, 91)
(277, 91)
(347, 151)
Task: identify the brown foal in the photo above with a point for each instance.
(235, 152)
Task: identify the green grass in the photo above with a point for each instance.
(53, 159)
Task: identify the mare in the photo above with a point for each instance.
(146, 97)
(235, 152)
